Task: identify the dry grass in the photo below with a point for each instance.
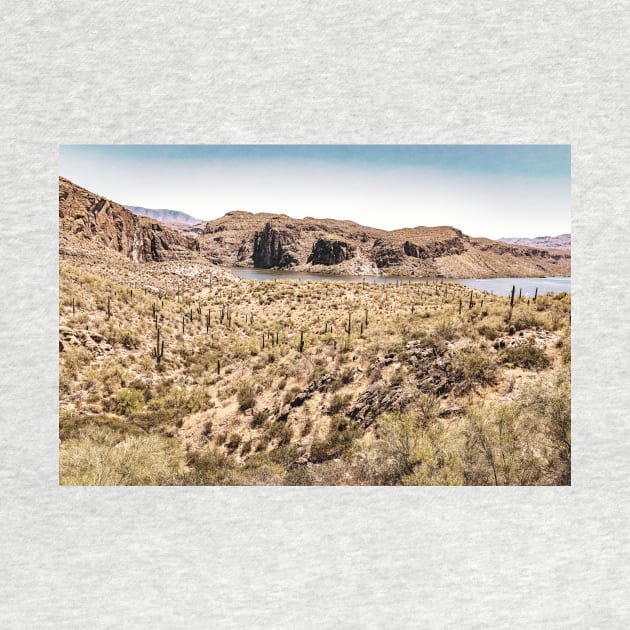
(238, 399)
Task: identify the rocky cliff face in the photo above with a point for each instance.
(449, 247)
(329, 252)
(272, 240)
(272, 249)
(88, 219)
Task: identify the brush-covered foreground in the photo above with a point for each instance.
(180, 374)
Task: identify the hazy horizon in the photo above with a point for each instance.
(484, 190)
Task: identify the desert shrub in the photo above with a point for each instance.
(101, 457)
(259, 418)
(489, 332)
(281, 432)
(207, 429)
(566, 350)
(246, 397)
(285, 454)
(260, 470)
(129, 338)
(526, 320)
(233, 442)
(298, 476)
(527, 356)
(346, 376)
(290, 394)
(548, 401)
(317, 373)
(427, 407)
(397, 377)
(447, 329)
(74, 358)
(128, 401)
(72, 423)
(338, 402)
(471, 367)
(499, 448)
(341, 435)
(210, 468)
(153, 418)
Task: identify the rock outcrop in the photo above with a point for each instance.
(271, 249)
(330, 252)
(93, 341)
(449, 247)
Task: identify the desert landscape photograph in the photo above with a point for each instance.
(354, 315)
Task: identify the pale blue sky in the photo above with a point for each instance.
(484, 190)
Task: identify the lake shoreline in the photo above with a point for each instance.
(527, 286)
(325, 274)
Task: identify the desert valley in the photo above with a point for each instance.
(176, 371)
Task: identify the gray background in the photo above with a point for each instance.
(277, 72)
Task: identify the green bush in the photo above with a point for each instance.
(340, 437)
(128, 401)
(471, 367)
(338, 402)
(210, 468)
(489, 332)
(246, 397)
(129, 338)
(285, 454)
(526, 356)
(281, 431)
(526, 320)
(259, 418)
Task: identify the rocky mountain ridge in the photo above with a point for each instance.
(88, 221)
(562, 241)
(164, 215)
(173, 218)
(269, 241)
(264, 240)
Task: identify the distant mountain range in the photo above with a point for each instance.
(173, 218)
(562, 241)
(90, 222)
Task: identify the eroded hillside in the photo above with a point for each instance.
(321, 245)
(200, 378)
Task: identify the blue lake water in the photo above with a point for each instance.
(498, 286)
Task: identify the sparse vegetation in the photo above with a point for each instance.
(306, 383)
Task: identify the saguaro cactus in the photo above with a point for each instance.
(158, 351)
(511, 303)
